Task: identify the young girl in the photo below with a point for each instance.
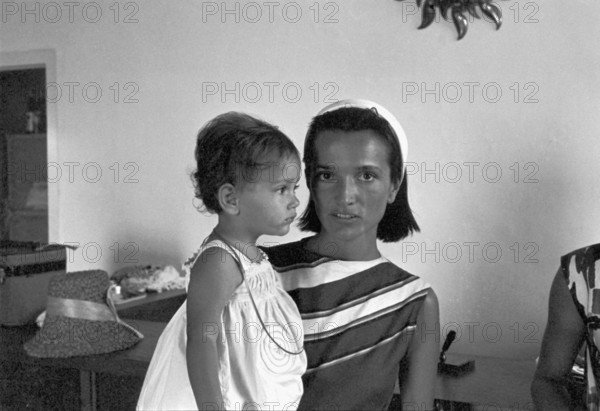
(237, 341)
(367, 322)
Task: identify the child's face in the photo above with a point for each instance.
(267, 199)
(352, 185)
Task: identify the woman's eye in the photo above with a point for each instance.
(368, 176)
(324, 176)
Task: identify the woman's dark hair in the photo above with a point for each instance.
(231, 148)
(398, 221)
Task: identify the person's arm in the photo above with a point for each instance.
(214, 277)
(417, 383)
(562, 340)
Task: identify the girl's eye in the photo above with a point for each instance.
(283, 189)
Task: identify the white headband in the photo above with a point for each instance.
(383, 112)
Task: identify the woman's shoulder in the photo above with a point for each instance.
(590, 250)
(284, 256)
(402, 274)
(393, 266)
(581, 260)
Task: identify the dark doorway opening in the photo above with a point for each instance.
(23, 155)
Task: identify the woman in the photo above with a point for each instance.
(366, 321)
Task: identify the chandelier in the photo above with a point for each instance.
(458, 10)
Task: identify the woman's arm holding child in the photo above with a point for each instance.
(417, 383)
(214, 277)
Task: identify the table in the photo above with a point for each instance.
(78, 382)
(131, 362)
(495, 384)
(159, 307)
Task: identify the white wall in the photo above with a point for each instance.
(373, 51)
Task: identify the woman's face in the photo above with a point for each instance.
(352, 185)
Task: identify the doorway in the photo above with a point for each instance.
(23, 155)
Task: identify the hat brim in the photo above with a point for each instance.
(62, 337)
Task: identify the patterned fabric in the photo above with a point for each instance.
(253, 372)
(358, 317)
(580, 268)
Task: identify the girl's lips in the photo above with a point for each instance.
(290, 219)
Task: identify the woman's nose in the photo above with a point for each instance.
(348, 190)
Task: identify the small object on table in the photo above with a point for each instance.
(449, 366)
(135, 281)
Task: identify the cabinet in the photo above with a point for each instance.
(24, 192)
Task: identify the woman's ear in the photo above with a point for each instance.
(228, 200)
(394, 188)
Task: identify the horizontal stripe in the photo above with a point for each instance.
(362, 382)
(296, 266)
(363, 335)
(375, 303)
(354, 286)
(290, 256)
(326, 272)
(344, 320)
(357, 301)
(363, 351)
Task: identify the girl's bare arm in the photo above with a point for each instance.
(214, 278)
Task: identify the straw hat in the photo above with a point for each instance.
(81, 319)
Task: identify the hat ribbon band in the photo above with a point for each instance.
(87, 310)
(84, 310)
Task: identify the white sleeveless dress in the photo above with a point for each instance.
(253, 372)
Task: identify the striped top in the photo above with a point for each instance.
(579, 268)
(359, 319)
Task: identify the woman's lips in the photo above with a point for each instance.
(345, 216)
